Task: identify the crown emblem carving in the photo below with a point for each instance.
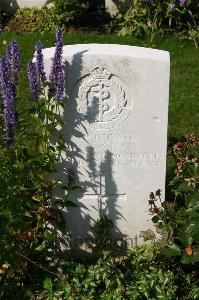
(100, 72)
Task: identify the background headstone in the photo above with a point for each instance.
(10, 6)
(116, 126)
(115, 7)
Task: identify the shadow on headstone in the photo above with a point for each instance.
(98, 185)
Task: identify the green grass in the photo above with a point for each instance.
(184, 103)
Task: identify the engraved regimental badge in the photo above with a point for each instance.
(103, 99)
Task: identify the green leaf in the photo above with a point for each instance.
(195, 233)
(191, 200)
(48, 235)
(64, 187)
(185, 235)
(5, 265)
(194, 214)
(155, 219)
(64, 286)
(172, 250)
(47, 284)
(183, 187)
(186, 259)
(41, 247)
(36, 199)
(27, 214)
(195, 256)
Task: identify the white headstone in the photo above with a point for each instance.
(116, 123)
(117, 7)
(10, 6)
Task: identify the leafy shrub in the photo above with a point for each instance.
(29, 213)
(149, 16)
(79, 12)
(137, 276)
(33, 20)
(180, 218)
(66, 13)
(141, 274)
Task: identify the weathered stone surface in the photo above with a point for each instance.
(10, 6)
(116, 125)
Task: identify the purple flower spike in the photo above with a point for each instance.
(183, 1)
(57, 76)
(59, 36)
(12, 54)
(9, 111)
(40, 61)
(171, 6)
(34, 80)
(59, 89)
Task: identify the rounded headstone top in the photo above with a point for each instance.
(111, 49)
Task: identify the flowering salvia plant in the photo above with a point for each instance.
(28, 158)
(9, 72)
